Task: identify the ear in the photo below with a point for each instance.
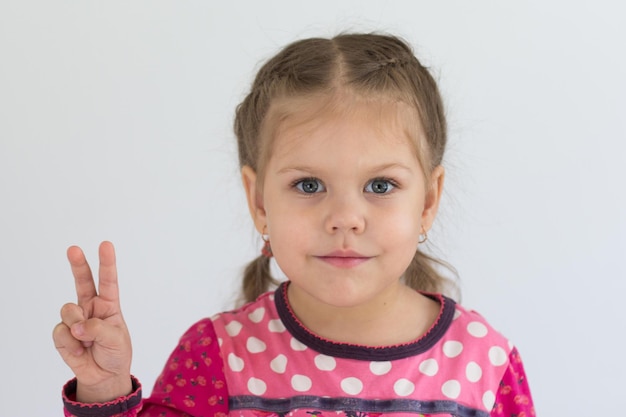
(254, 197)
(433, 196)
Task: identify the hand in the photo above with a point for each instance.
(92, 337)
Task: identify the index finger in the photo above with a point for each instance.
(83, 279)
(107, 275)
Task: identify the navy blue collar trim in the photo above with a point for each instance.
(370, 353)
(352, 406)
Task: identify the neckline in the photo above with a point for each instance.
(362, 352)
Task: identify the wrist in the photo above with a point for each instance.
(106, 391)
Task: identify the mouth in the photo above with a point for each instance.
(344, 259)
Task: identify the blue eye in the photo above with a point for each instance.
(379, 186)
(309, 186)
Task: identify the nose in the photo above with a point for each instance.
(345, 214)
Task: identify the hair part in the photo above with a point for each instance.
(370, 66)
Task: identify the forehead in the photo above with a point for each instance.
(330, 121)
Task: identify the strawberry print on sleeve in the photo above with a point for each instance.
(513, 399)
(192, 383)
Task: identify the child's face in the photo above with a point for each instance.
(344, 200)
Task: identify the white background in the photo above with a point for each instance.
(115, 123)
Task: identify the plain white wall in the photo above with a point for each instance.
(115, 123)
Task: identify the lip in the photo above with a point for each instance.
(344, 258)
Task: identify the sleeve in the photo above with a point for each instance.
(127, 406)
(513, 397)
(192, 383)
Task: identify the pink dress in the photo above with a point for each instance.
(260, 361)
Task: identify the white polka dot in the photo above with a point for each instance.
(380, 368)
(473, 372)
(220, 341)
(497, 356)
(477, 329)
(451, 389)
(233, 328)
(257, 315)
(452, 348)
(279, 364)
(257, 386)
(325, 363)
(255, 345)
(351, 386)
(457, 314)
(429, 367)
(235, 362)
(403, 387)
(297, 345)
(276, 326)
(489, 399)
(301, 383)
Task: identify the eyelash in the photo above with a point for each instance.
(389, 181)
(297, 184)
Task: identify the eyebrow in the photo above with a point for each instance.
(376, 168)
(391, 165)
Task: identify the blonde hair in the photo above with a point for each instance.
(367, 64)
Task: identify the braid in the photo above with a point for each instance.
(422, 274)
(257, 279)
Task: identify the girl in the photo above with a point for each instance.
(340, 144)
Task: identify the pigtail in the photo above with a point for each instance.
(257, 279)
(423, 274)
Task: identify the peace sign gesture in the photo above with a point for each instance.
(92, 337)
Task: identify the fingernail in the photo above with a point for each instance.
(78, 329)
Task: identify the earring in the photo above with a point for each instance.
(423, 236)
(267, 248)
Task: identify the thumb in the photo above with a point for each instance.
(96, 330)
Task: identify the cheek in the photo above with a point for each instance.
(401, 229)
(291, 246)
(289, 230)
(286, 219)
(403, 248)
(406, 239)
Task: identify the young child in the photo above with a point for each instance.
(340, 144)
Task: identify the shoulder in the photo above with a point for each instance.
(472, 331)
(250, 328)
(474, 347)
(203, 330)
(210, 332)
(469, 360)
(473, 324)
(262, 310)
